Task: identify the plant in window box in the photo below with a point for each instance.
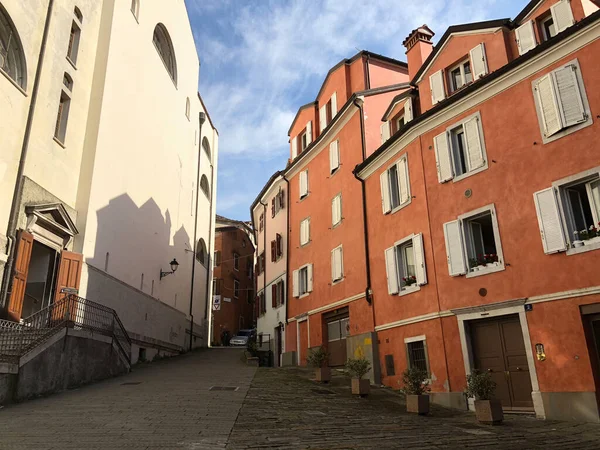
(318, 358)
(490, 259)
(409, 281)
(474, 264)
(357, 368)
(416, 387)
(481, 386)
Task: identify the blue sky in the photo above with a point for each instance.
(262, 59)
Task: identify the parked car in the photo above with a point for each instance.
(241, 339)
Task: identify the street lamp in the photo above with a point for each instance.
(174, 265)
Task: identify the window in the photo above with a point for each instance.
(68, 81)
(277, 203)
(78, 14)
(459, 76)
(338, 329)
(395, 186)
(334, 156)
(12, 57)
(303, 179)
(398, 123)
(62, 117)
(236, 261)
(405, 265)
(276, 248)
(303, 141)
(460, 151)
(262, 306)
(303, 280)
(216, 286)
(473, 243)
(204, 186)
(206, 146)
(249, 268)
(327, 112)
(337, 264)
(336, 210)
(260, 264)
(73, 47)
(135, 9)
(569, 213)
(164, 46)
(187, 108)
(277, 294)
(559, 19)
(561, 102)
(201, 252)
(305, 231)
(217, 258)
(547, 28)
(416, 353)
(261, 222)
(236, 289)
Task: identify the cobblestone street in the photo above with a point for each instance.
(168, 405)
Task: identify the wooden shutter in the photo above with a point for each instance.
(419, 254)
(479, 62)
(570, 103)
(273, 207)
(402, 171)
(442, 157)
(281, 199)
(278, 245)
(408, 110)
(384, 130)
(309, 276)
(525, 35)
(391, 270)
(322, 117)
(309, 135)
(294, 147)
(295, 284)
(548, 105)
(454, 249)
(334, 156)
(281, 292)
(551, 229)
(333, 105)
(21, 270)
(274, 296)
(436, 82)
(473, 140)
(273, 251)
(385, 192)
(562, 15)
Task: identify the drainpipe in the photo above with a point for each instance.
(202, 118)
(211, 249)
(18, 192)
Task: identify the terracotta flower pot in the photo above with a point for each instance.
(417, 404)
(361, 386)
(489, 412)
(323, 374)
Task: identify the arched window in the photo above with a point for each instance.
(135, 8)
(78, 14)
(206, 146)
(201, 252)
(187, 108)
(68, 81)
(204, 186)
(12, 57)
(164, 46)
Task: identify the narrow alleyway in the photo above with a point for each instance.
(168, 405)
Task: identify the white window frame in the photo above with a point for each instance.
(461, 67)
(586, 106)
(542, 27)
(307, 268)
(339, 249)
(333, 202)
(307, 221)
(303, 139)
(401, 205)
(413, 239)
(236, 262)
(236, 283)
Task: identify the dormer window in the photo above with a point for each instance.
(459, 76)
(303, 141)
(547, 27)
(327, 112)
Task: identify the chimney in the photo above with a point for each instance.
(418, 47)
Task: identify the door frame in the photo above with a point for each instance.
(465, 315)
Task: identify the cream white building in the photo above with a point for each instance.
(270, 218)
(101, 187)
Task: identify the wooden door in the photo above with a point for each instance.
(67, 281)
(337, 330)
(499, 349)
(19, 282)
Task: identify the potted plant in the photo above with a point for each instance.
(318, 358)
(415, 388)
(357, 368)
(488, 409)
(410, 280)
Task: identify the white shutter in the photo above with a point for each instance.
(442, 157)
(333, 105)
(309, 270)
(295, 284)
(334, 156)
(402, 170)
(294, 147)
(385, 192)
(419, 254)
(479, 65)
(454, 249)
(336, 264)
(473, 140)
(322, 117)
(408, 110)
(551, 230)
(562, 15)
(548, 105)
(309, 135)
(304, 231)
(391, 270)
(336, 210)
(384, 131)
(570, 102)
(303, 183)
(525, 35)
(436, 81)
(333, 265)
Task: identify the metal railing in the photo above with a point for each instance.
(71, 311)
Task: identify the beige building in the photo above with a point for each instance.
(108, 165)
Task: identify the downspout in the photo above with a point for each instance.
(18, 192)
(202, 118)
(211, 249)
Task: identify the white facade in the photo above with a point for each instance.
(126, 170)
(274, 222)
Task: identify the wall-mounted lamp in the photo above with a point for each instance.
(174, 265)
(539, 352)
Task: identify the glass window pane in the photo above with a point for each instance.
(468, 74)
(456, 79)
(394, 188)
(416, 355)
(344, 328)
(595, 201)
(333, 331)
(409, 261)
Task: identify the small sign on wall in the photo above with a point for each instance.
(225, 299)
(216, 303)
